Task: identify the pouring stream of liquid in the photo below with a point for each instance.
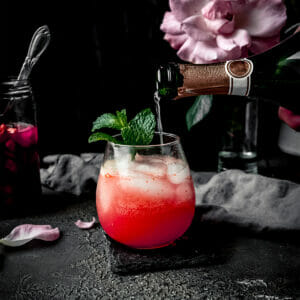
(158, 116)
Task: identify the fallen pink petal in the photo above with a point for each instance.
(23, 234)
(85, 225)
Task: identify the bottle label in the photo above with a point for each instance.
(239, 73)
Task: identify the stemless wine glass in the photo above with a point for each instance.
(145, 195)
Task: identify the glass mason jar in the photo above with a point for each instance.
(19, 159)
(145, 195)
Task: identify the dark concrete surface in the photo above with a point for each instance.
(79, 264)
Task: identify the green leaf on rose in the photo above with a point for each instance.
(286, 65)
(199, 110)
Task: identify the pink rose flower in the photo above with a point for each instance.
(208, 31)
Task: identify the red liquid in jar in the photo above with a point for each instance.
(19, 165)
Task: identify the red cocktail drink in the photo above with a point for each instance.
(19, 164)
(145, 202)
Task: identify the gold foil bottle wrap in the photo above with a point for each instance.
(203, 80)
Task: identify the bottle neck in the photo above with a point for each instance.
(202, 80)
(229, 78)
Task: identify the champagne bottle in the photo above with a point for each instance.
(273, 75)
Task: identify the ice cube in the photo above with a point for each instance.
(109, 167)
(148, 185)
(150, 158)
(177, 171)
(124, 165)
(154, 169)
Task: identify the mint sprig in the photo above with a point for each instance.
(139, 131)
(117, 121)
(101, 136)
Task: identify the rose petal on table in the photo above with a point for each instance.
(85, 225)
(23, 234)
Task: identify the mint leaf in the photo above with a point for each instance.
(140, 129)
(122, 117)
(109, 120)
(101, 136)
(198, 110)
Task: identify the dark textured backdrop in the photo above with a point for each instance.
(102, 57)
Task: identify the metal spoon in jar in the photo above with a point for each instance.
(39, 42)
